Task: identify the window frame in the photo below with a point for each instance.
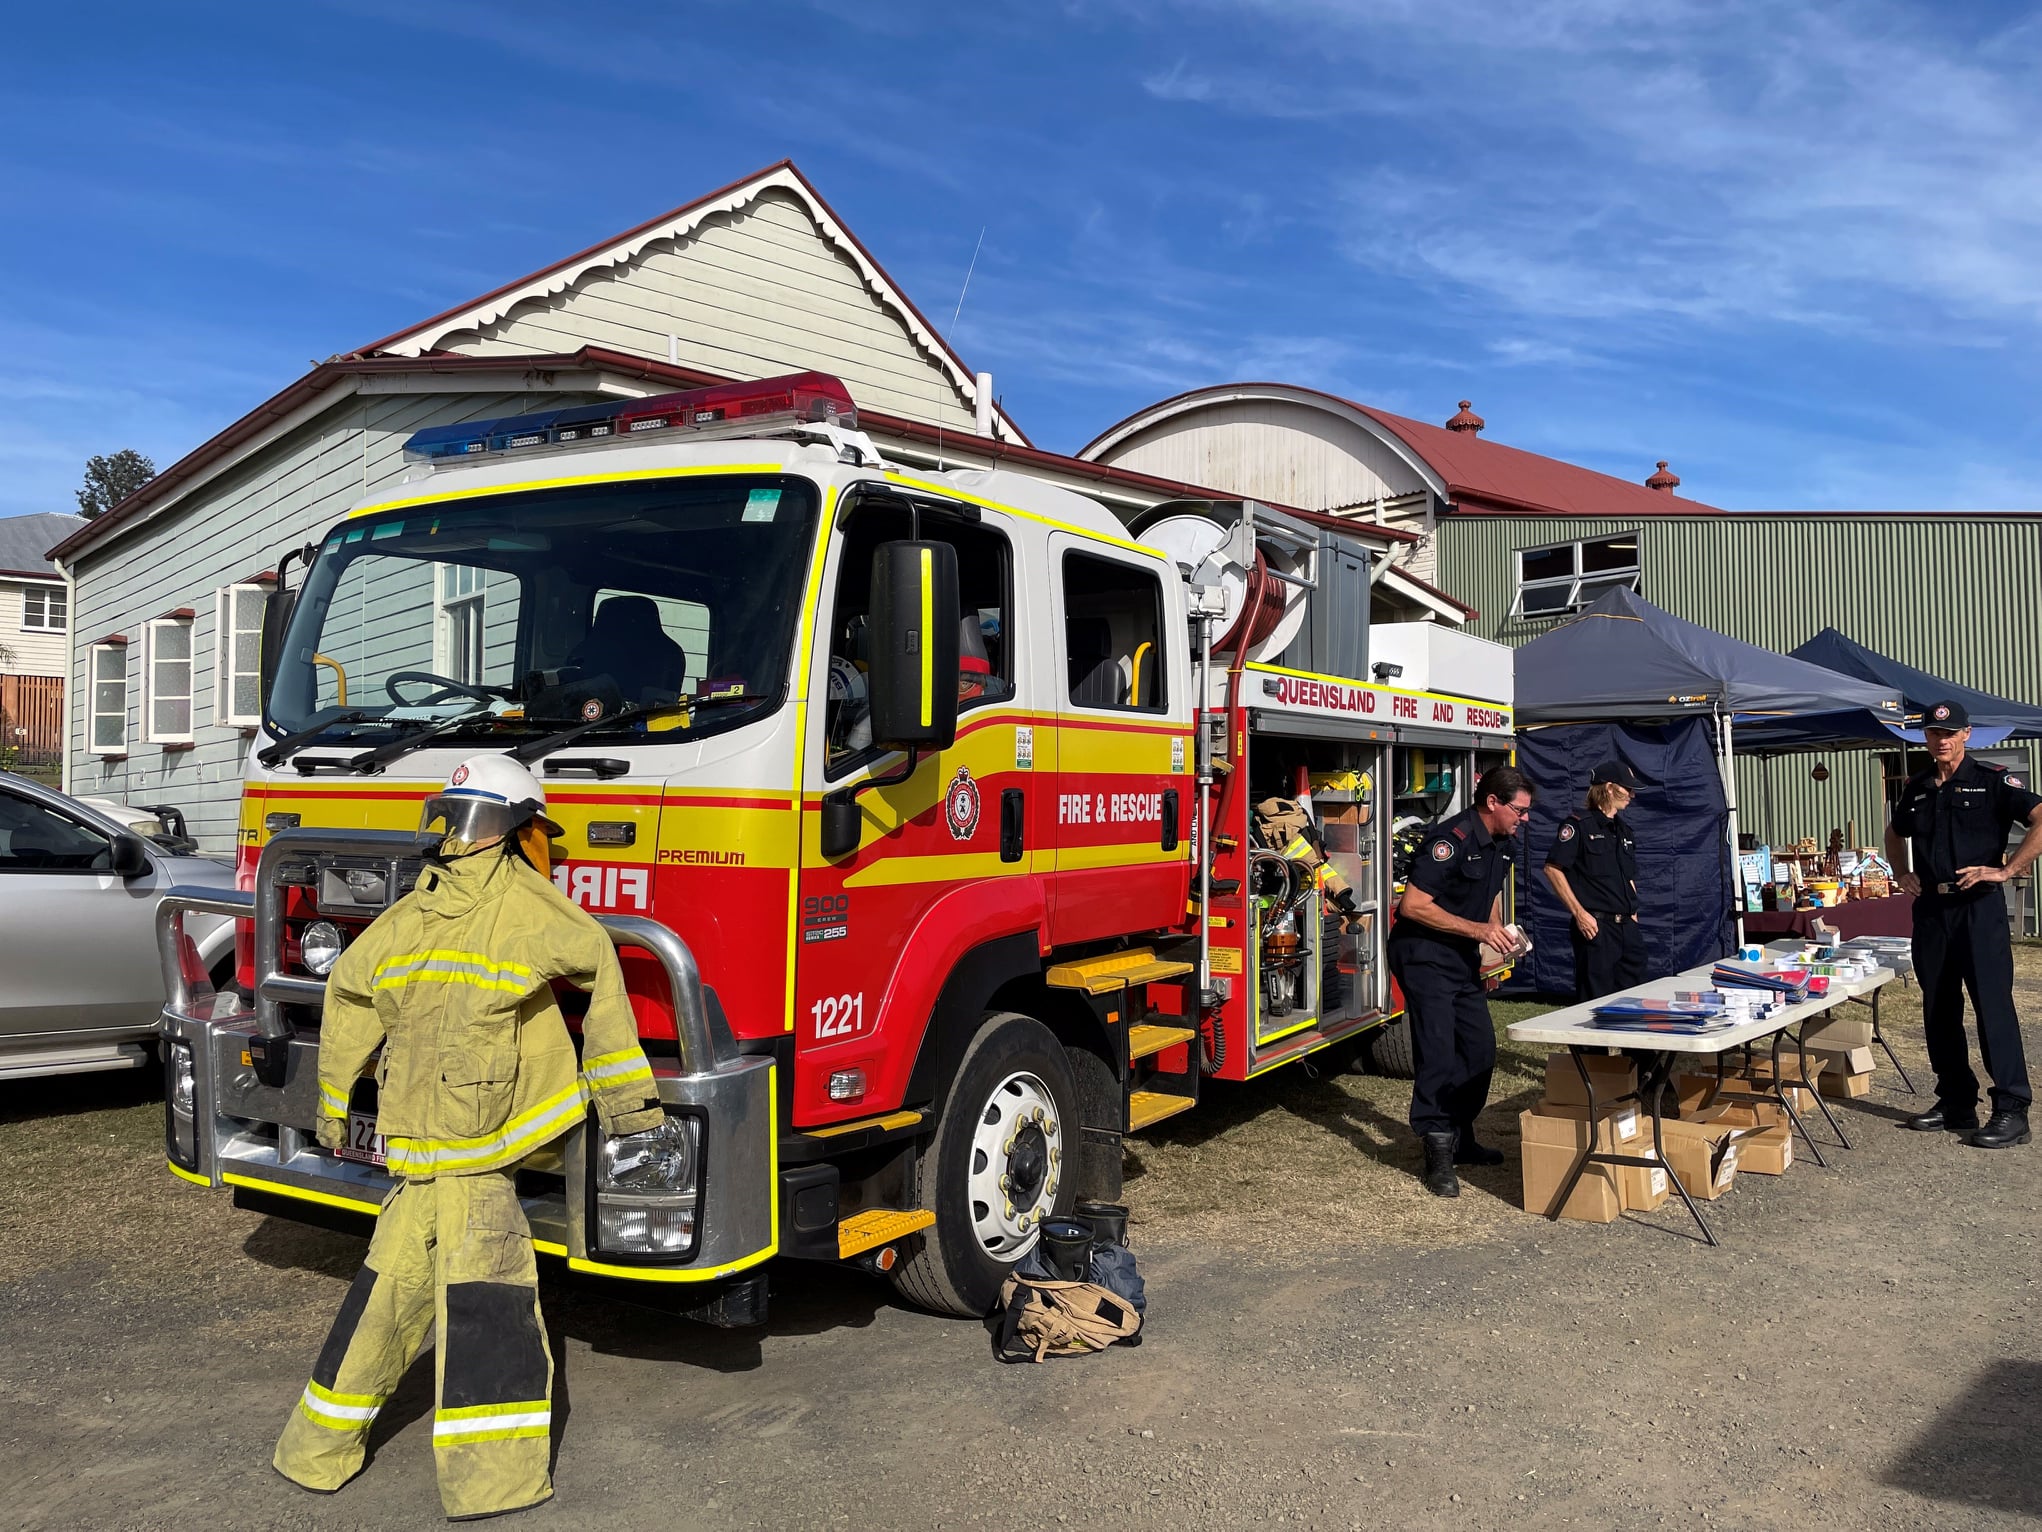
(151, 695)
(52, 595)
(224, 673)
(1160, 708)
(1601, 579)
(93, 681)
(463, 613)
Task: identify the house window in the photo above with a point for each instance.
(42, 608)
(1568, 576)
(237, 660)
(460, 635)
(166, 682)
(110, 699)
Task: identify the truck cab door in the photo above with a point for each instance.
(1124, 757)
(944, 862)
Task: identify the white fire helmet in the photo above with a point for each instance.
(486, 795)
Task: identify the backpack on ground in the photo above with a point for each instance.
(1042, 1318)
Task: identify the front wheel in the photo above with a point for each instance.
(998, 1165)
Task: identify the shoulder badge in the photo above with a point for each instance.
(2014, 782)
(1567, 830)
(1442, 851)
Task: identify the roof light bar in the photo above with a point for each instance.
(802, 398)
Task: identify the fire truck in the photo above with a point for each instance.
(921, 806)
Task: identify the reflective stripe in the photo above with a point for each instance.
(613, 1069)
(339, 1412)
(332, 1102)
(517, 1138)
(448, 967)
(493, 1422)
(928, 637)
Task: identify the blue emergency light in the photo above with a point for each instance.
(812, 398)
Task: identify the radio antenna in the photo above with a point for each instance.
(954, 313)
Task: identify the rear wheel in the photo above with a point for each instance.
(1389, 1049)
(999, 1163)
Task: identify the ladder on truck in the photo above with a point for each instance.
(1146, 1002)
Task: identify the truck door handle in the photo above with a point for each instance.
(1013, 819)
(1169, 819)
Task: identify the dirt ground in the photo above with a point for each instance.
(1328, 1347)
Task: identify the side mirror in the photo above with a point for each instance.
(915, 617)
(277, 607)
(130, 857)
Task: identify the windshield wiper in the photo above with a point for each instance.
(280, 751)
(371, 761)
(532, 749)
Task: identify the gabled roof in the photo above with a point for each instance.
(428, 336)
(25, 542)
(1468, 472)
(329, 381)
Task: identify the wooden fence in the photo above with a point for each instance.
(31, 721)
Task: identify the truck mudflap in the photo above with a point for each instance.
(225, 1126)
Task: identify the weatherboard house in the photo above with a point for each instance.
(757, 279)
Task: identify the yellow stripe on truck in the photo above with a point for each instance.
(928, 637)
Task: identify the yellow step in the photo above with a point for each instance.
(1114, 970)
(1149, 1038)
(878, 1226)
(1146, 1108)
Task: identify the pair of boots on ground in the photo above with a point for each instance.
(2007, 1127)
(1443, 1151)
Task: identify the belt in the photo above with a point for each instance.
(1611, 916)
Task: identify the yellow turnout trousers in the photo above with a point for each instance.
(452, 1253)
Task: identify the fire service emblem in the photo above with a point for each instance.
(960, 805)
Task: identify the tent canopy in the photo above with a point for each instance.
(1624, 658)
(1993, 719)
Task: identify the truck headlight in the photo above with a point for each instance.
(319, 945)
(180, 1095)
(646, 1190)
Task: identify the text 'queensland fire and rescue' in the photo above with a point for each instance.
(1331, 697)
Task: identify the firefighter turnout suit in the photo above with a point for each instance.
(477, 1070)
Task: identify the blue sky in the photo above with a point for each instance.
(1796, 250)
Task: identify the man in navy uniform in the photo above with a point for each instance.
(1947, 843)
(1451, 907)
(1593, 867)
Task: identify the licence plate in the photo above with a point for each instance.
(363, 1142)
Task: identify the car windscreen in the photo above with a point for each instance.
(540, 608)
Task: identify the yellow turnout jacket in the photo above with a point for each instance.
(454, 984)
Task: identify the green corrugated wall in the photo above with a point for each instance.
(1957, 595)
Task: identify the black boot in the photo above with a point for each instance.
(1440, 1179)
(1470, 1152)
(1943, 1119)
(2005, 1129)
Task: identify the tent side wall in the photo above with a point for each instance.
(1776, 580)
(1685, 889)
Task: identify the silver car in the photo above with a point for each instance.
(81, 986)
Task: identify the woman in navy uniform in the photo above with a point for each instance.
(1593, 867)
(1947, 843)
(1451, 906)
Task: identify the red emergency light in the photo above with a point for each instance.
(810, 398)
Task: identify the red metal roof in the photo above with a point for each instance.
(315, 382)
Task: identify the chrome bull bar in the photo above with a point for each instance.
(244, 1131)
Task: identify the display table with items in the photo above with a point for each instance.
(1892, 915)
(1585, 1146)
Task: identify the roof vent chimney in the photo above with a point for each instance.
(1467, 421)
(1666, 483)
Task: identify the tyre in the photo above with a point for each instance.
(1389, 1050)
(999, 1163)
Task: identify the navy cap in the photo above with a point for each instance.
(1945, 715)
(1616, 773)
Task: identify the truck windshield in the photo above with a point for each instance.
(543, 608)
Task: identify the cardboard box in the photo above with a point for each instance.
(1613, 1076)
(1746, 1116)
(1704, 1155)
(1767, 1151)
(1694, 1092)
(1622, 1130)
(1641, 1188)
(1595, 1198)
(1839, 1032)
(1845, 1087)
(1625, 1125)
(1844, 1061)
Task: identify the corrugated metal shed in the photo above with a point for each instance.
(1956, 594)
